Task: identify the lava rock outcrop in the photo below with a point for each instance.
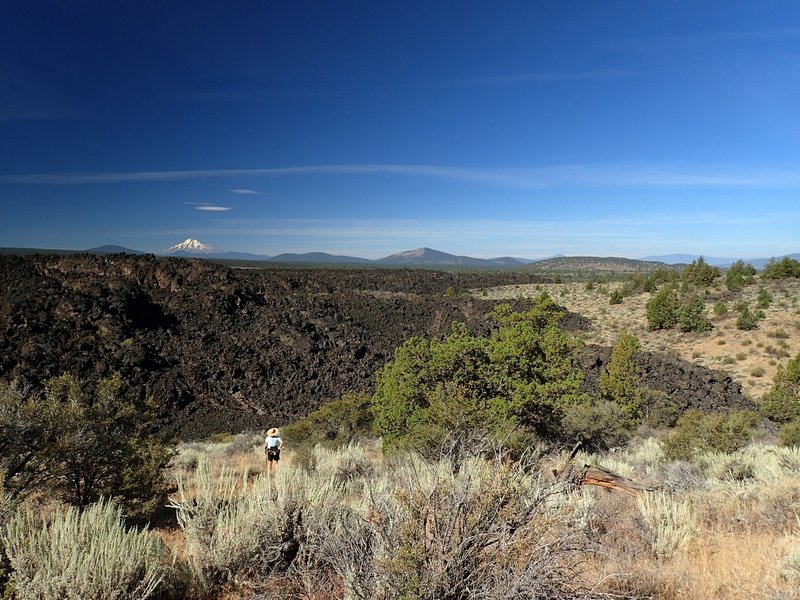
(227, 349)
(219, 348)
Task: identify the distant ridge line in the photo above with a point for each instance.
(430, 258)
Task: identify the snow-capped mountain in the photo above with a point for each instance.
(191, 246)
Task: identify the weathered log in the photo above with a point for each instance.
(597, 476)
(593, 475)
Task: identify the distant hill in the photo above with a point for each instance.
(422, 257)
(594, 264)
(112, 249)
(675, 259)
(427, 257)
(527, 261)
(318, 258)
(760, 263)
(682, 259)
(240, 256)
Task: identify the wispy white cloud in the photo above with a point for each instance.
(246, 192)
(207, 206)
(212, 208)
(559, 176)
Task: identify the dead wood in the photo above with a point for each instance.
(598, 476)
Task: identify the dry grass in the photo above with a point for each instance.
(744, 541)
(716, 566)
(776, 339)
(737, 566)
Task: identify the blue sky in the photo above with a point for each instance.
(623, 128)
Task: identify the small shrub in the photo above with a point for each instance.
(670, 523)
(790, 434)
(764, 298)
(746, 321)
(223, 437)
(334, 424)
(249, 532)
(659, 410)
(698, 432)
(616, 297)
(778, 334)
(599, 425)
(482, 530)
(87, 554)
(740, 356)
(729, 467)
(728, 360)
(720, 308)
(790, 566)
(244, 443)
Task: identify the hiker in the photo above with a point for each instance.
(272, 447)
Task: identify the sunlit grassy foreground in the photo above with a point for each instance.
(349, 523)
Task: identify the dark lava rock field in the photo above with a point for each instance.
(227, 349)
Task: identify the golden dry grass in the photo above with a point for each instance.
(717, 566)
(738, 353)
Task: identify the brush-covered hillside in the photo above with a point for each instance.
(583, 266)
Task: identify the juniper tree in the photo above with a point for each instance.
(692, 315)
(82, 442)
(782, 402)
(619, 381)
(738, 275)
(662, 309)
(515, 383)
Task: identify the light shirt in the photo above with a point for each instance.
(273, 441)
